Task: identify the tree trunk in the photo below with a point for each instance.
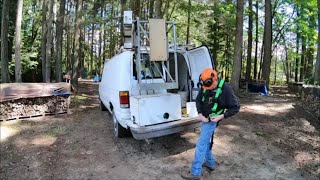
(68, 59)
(80, 66)
(168, 16)
(54, 34)
(59, 38)
(44, 39)
(291, 70)
(261, 60)
(166, 10)
(297, 58)
(49, 42)
(76, 44)
(248, 70)
(228, 57)
(136, 9)
(287, 71)
(255, 70)
(244, 56)
(12, 18)
(215, 39)
(18, 41)
(151, 8)
(91, 54)
(4, 42)
(317, 68)
(122, 8)
(104, 39)
(34, 25)
(111, 43)
(117, 40)
(145, 8)
(236, 70)
(266, 65)
(188, 26)
(100, 43)
(83, 40)
(302, 60)
(81, 46)
(157, 12)
(88, 63)
(310, 59)
(275, 68)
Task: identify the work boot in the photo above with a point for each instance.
(189, 176)
(207, 167)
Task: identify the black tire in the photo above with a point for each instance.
(102, 106)
(118, 130)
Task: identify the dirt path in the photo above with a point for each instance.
(272, 138)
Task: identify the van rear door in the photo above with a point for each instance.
(199, 59)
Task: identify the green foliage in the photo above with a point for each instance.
(29, 60)
(212, 23)
(220, 37)
(309, 80)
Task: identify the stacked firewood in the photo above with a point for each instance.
(312, 104)
(30, 107)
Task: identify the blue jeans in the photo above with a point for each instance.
(203, 152)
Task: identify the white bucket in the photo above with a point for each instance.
(192, 109)
(184, 97)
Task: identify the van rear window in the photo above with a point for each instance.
(149, 70)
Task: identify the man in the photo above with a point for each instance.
(215, 96)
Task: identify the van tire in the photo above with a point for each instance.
(118, 130)
(102, 106)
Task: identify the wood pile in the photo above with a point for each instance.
(312, 104)
(33, 107)
(310, 97)
(295, 86)
(27, 100)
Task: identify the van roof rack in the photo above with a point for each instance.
(152, 36)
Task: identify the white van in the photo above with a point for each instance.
(151, 113)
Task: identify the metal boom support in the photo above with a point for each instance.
(141, 40)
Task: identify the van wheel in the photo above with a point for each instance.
(118, 130)
(102, 106)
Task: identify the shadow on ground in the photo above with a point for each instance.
(271, 138)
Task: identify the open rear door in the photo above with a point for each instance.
(199, 59)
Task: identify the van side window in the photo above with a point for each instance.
(149, 70)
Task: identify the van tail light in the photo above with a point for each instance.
(124, 99)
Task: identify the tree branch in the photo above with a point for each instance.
(281, 31)
(173, 8)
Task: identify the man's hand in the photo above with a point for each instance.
(217, 118)
(202, 118)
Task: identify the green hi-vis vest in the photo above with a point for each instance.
(214, 112)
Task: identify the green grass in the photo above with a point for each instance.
(57, 131)
(79, 99)
(261, 134)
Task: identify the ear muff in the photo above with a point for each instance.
(208, 82)
(207, 78)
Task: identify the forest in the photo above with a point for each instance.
(276, 41)
(53, 130)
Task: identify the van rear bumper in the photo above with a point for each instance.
(153, 131)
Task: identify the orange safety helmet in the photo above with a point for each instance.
(207, 78)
